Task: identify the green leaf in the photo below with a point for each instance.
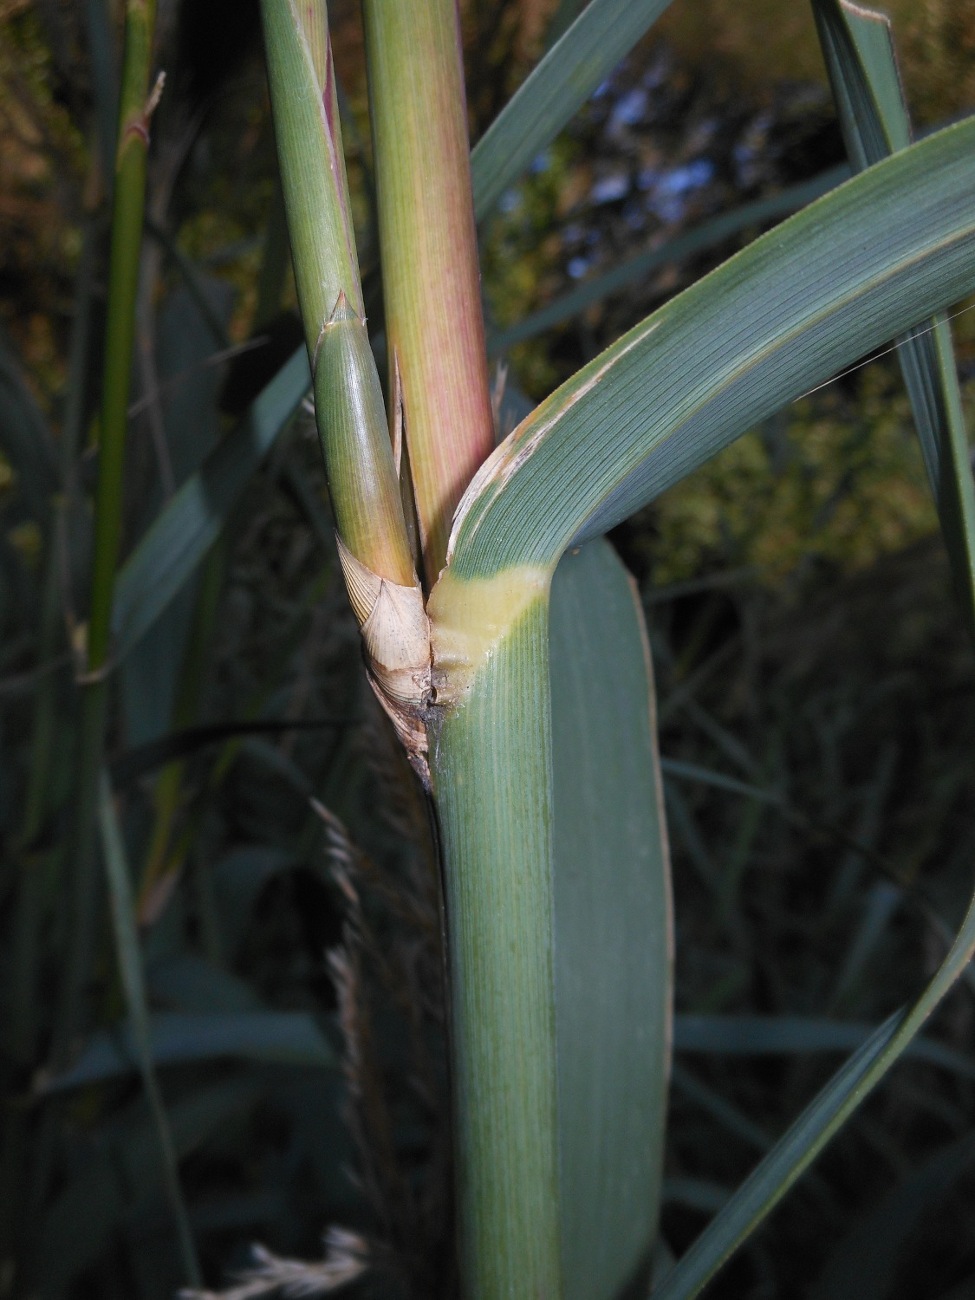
(676, 767)
(809, 297)
(750, 1035)
(562, 20)
(189, 386)
(491, 763)
(859, 51)
(183, 1037)
(180, 536)
(880, 906)
(134, 988)
(612, 926)
(565, 78)
(804, 1140)
(860, 57)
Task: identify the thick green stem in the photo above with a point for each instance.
(491, 760)
(352, 424)
(363, 473)
(123, 282)
(128, 209)
(309, 137)
(431, 282)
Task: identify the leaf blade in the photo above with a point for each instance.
(807, 1136)
(778, 318)
(859, 52)
(613, 1016)
(589, 50)
(184, 1037)
(179, 537)
(133, 983)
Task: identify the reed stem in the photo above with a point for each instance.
(128, 209)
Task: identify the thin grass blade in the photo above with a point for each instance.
(181, 1037)
(137, 104)
(133, 985)
(797, 1149)
(583, 57)
(180, 536)
(859, 52)
(754, 1035)
(858, 48)
(189, 385)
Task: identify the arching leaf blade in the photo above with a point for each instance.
(812, 295)
(928, 365)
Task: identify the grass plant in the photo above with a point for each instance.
(220, 734)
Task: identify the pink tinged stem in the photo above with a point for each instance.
(429, 252)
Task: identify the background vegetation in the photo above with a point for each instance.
(814, 679)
